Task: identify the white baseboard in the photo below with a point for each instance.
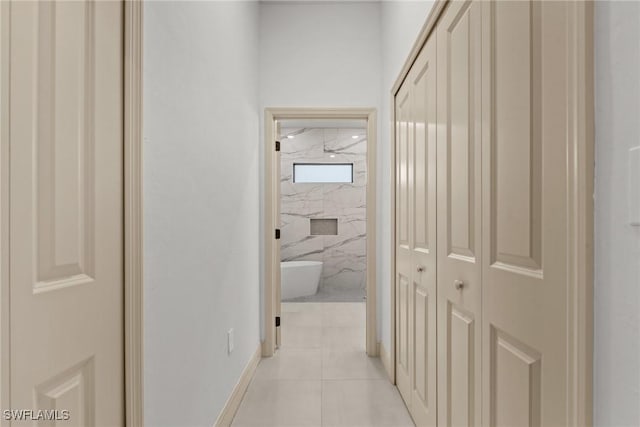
(385, 359)
(229, 411)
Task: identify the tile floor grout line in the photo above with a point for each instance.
(330, 356)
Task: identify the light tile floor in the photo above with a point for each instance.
(321, 376)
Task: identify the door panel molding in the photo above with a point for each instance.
(517, 369)
(461, 375)
(65, 239)
(515, 214)
(72, 390)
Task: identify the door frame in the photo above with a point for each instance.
(580, 185)
(269, 222)
(133, 215)
(132, 250)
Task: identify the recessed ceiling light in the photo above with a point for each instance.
(354, 136)
(332, 155)
(290, 136)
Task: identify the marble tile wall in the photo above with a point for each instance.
(343, 255)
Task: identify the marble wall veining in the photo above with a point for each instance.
(343, 255)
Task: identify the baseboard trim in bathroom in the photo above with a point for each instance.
(384, 358)
(229, 411)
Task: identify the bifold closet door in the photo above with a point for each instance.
(416, 249)
(459, 215)
(404, 140)
(507, 303)
(423, 290)
(526, 376)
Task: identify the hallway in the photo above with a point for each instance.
(321, 375)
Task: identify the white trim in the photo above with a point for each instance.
(272, 114)
(133, 251)
(392, 241)
(5, 353)
(233, 403)
(580, 224)
(386, 362)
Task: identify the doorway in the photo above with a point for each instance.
(319, 221)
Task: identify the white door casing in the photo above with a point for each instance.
(271, 215)
(66, 204)
(277, 272)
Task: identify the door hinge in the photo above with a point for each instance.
(277, 233)
(277, 145)
(277, 321)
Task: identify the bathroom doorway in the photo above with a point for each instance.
(320, 229)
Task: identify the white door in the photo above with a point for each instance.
(66, 226)
(459, 215)
(423, 298)
(526, 371)
(404, 274)
(416, 238)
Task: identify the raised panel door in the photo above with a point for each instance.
(459, 215)
(66, 204)
(422, 79)
(525, 209)
(404, 274)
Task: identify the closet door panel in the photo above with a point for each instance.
(525, 144)
(423, 94)
(459, 215)
(404, 276)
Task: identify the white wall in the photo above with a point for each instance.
(401, 21)
(201, 205)
(319, 54)
(316, 54)
(617, 244)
